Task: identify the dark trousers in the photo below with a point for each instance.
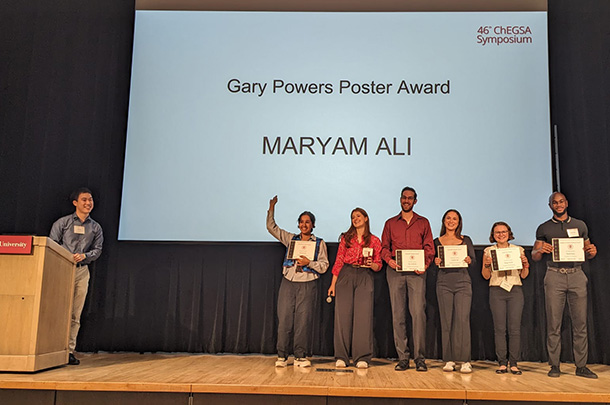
(454, 294)
(354, 314)
(413, 286)
(295, 305)
(507, 308)
(559, 288)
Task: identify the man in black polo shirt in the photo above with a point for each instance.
(564, 281)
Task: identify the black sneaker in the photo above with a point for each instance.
(585, 372)
(420, 365)
(73, 361)
(402, 365)
(554, 371)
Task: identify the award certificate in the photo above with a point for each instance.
(300, 248)
(452, 256)
(568, 249)
(504, 259)
(410, 260)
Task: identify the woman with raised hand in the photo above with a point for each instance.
(298, 290)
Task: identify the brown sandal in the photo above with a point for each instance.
(502, 370)
(515, 370)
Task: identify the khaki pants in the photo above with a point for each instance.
(81, 286)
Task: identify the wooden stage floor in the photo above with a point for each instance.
(253, 376)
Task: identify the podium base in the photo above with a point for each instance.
(30, 363)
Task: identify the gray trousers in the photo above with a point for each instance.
(295, 306)
(413, 286)
(354, 314)
(559, 288)
(454, 294)
(507, 308)
(81, 286)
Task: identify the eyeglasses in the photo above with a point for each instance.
(501, 232)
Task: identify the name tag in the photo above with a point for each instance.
(573, 232)
(507, 285)
(79, 229)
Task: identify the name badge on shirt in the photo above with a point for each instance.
(79, 229)
(507, 285)
(573, 232)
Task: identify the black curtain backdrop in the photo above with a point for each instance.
(64, 87)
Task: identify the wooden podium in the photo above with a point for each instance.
(36, 293)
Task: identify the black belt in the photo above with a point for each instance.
(81, 264)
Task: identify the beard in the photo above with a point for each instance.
(406, 210)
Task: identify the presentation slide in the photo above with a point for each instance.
(331, 111)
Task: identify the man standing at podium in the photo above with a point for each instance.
(83, 237)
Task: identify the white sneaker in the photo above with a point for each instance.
(466, 368)
(340, 364)
(302, 362)
(362, 364)
(449, 366)
(281, 362)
